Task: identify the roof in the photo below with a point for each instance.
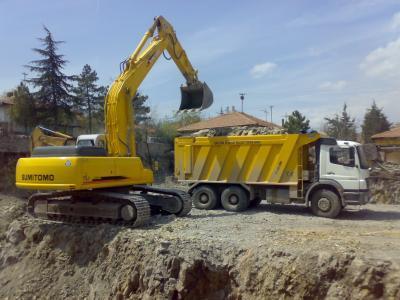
(232, 119)
(392, 133)
(6, 100)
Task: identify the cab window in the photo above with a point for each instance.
(342, 156)
(85, 143)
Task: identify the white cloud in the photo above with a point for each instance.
(396, 21)
(384, 61)
(333, 85)
(261, 70)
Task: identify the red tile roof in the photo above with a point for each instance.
(392, 133)
(228, 120)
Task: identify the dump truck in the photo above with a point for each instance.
(239, 172)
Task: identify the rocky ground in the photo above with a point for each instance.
(272, 252)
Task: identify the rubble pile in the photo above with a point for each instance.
(238, 131)
(384, 183)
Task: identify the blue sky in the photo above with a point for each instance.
(307, 55)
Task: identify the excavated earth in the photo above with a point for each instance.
(272, 252)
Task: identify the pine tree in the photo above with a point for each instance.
(296, 122)
(23, 111)
(53, 99)
(375, 121)
(342, 126)
(141, 111)
(89, 97)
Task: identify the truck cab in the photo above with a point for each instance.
(345, 163)
(341, 168)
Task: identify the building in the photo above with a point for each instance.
(233, 119)
(388, 143)
(5, 115)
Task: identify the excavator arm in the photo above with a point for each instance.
(119, 115)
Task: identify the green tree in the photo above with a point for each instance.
(167, 129)
(23, 111)
(89, 97)
(296, 122)
(54, 101)
(375, 121)
(342, 126)
(141, 110)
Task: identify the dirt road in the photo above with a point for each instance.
(270, 251)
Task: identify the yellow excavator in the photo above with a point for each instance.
(86, 182)
(42, 136)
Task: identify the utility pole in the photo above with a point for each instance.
(24, 75)
(271, 106)
(266, 114)
(242, 98)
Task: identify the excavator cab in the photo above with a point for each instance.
(196, 96)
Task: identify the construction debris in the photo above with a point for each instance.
(384, 183)
(238, 131)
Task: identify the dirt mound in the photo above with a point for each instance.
(186, 259)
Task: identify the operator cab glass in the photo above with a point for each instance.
(342, 156)
(85, 143)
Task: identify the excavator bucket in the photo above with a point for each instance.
(197, 96)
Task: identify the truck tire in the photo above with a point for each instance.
(205, 197)
(235, 198)
(325, 203)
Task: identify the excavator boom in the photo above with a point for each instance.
(119, 113)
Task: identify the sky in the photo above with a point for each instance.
(311, 56)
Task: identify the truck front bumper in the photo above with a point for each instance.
(358, 197)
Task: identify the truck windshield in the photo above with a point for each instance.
(362, 157)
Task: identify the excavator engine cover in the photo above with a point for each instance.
(197, 96)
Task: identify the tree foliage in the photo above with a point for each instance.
(141, 110)
(296, 122)
(88, 96)
(23, 111)
(375, 121)
(54, 101)
(342, 126)
(167, 130)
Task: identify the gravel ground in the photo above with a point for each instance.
(271, 251)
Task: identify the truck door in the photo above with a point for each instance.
(340, 165)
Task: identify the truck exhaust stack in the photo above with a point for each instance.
(197, 96)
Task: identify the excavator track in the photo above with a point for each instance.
(91, 208)
(184, 198)
(95, 207)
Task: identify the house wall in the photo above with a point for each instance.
(5, 113)
(392, 157)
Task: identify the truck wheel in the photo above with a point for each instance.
(205, 197)
(255, 202)
(234, 198)
(325, 203)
